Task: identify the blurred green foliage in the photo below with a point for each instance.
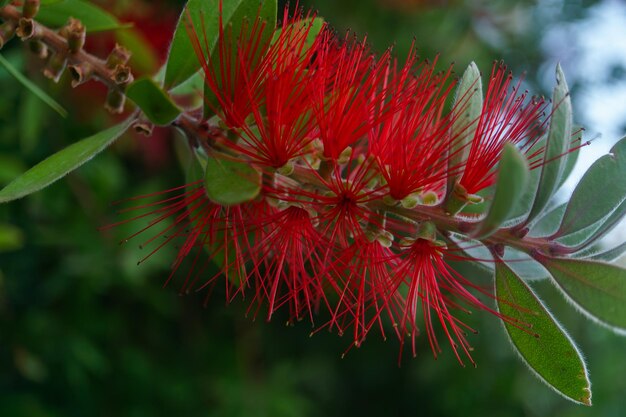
(85, 331)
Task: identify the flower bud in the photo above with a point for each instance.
(38, 48)
(122, 75)
(27, 29)
(56, 66)
(74, 32)
(7, 30)
(118, 56)
(80, 73)
(115, 101)
(30, 9)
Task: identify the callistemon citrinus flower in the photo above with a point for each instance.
(508, 116)
(347, 145)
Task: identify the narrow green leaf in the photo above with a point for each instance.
(597, 288)
(228, 182)
(572, 156)
(3, 3)
(606, 255)
(468, 105)
(525, 267)
(94, 18)
(557, 145)
(61, 163)
(593, 199)
(549, 222)
(511, 185)
(153, 101)
(32, 87)
(182, 62)
(544, 346)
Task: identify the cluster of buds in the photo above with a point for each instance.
(63, 49)
(333, 179)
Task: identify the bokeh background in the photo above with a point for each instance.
(84, 331)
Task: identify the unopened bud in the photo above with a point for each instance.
(30, 9)
(143, 127)
(115, 101)
(27, 29)
(118, 56)
(122, 75)
(7, 31)
(80, 73)
(410, 201)
(56, 66)
(38, 48)
(74, 32)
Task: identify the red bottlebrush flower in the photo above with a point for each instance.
(267, 81)
(345, 92)
(435, 288)
(410, 145)
(287, 263)
(506, 117)
(365, 288)
(234, 75)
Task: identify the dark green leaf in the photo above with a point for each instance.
(182, 61)
(153, 101)
(468, 103)
(61, 163)
(601, 254)
(316, 25)
(32, 87)
(511, 185)
(599, 289)
(557, 145)
(229, 182)
(94, 18)
(544, 345)
(594, 199)
(592, 234)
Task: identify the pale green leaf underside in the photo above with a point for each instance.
(61, 163)
(597, 288)
(557, 145)
(544, 346)
(592, 200)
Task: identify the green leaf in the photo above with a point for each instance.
(594, 199)
(557, 145)
(154, 102)
(32, 87)
(597, 288)
(182, 62)
(4, 3)
(549, 222)
(94, 18)
(544, 346)
(525, 267)
(572, 156)
(61, 163)
(511, 185)
(468, 105)
(229, 182)
(606, 255)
